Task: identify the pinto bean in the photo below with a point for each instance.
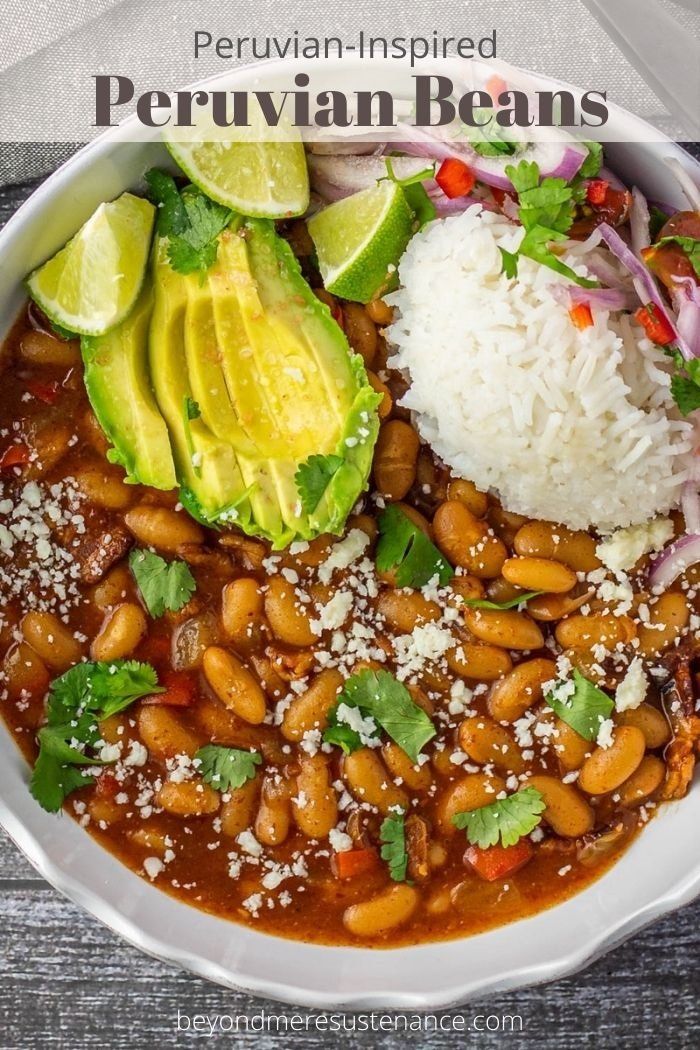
(567, 812)
(310, 710)
(383, 912)
(607, 768)
(289, 619)
(520, 690)
(51, 639)
(368, 780)
(242, 612)
(238, 812)
(395, 459)
(469, 792)
(643, 783)
(164, 733)
(190, 798)
(315, 806)
(505, 627)
(585, 632)
(466, 541)
(274, 813)
(539, 574)
(489, 743)
(361, 332)
(404, 611)
(416, 777)
(120, 633)
(164, 529)
(544, 539)
(668, 617)
(467, 493)
(234, 684)
(483, 663)
(651, 721)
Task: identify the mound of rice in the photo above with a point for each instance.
(577, 427)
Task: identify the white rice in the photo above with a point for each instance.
(577, 427)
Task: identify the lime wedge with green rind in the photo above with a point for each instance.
(91, 285)
(359, 241)
(265, 180)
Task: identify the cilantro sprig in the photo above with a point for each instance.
(405, 547)
(546, 210)
(581, 704)
(190, 220)
(380, 696)
(415, 193)
(392, 835)
(226, 768)
(313, 478)
(78, 701)
(685, 382)
(507, 820)
(512, 603)
(163, 585)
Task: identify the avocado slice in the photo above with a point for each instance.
(206, 465)
(118, 384)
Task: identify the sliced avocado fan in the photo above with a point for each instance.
(270, 382)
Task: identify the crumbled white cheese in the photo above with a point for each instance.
(153, 867)
(366, 728)
(339, 840)
(343, 554)
(632, 690)
(334, 613)
(605, 733)
(622, 550)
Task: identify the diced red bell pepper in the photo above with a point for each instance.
(497, 862)
(495, 86)
(353, 862)
(180, 690)
(581, 316)
(46, 392)
(455, 178)
(657, 327)
(14, 456)
(597, 191)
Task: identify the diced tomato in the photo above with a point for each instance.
(657, 327)
(14, 456)
(353, 862)
(107, 785)
(180, 690)
(495, 86)
(597, 191)
(581, 316)
(496, 862)
(46, 392)
(455, 178)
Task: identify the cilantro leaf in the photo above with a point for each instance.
(690, 245)
(512, 603)
(392, 835)
(546, 210)
(313, 477)
(581, 704)
(508, 819)
(657, 220)
(380, 696)
(190, 220)
(226, 768)
(685, 393)
(592, 164)
(163, 585)
(78, 701)
(402, 545)
(510, 262)
(488, 139)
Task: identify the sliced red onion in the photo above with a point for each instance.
(639, 222)
(690, 505)
(611, 178)
(643, 281)
(674, 560)
(556, 159)
(602, 298)
(686, 182)
(335, 177)
(446, 206)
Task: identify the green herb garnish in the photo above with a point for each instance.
(510, 262)
(313, 478)
(546, 210)
(392, 835)
(380, 696)
(78, 701)
(163, 585)
(581, 704)
(685, 384)
(508, 819)
(190, 220)
(402, 545)
(226, 768)
(593, 162)
(416, 196)
(512, 603)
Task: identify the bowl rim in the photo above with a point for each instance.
(344, 977)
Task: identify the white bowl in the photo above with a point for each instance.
(660, 872)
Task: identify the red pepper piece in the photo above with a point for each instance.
(581, 316)
(180, 690)
(455, 178)
(46, 392)
(597, 191)
(496, 862)
(656, 326)
(14, 456)
(353, 862)
(495, 86)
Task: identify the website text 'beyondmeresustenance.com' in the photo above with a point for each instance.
(262, 1021)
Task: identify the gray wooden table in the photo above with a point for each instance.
(66, 982)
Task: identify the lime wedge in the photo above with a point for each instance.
(91, 285)
(359, 241)
(237, 168)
